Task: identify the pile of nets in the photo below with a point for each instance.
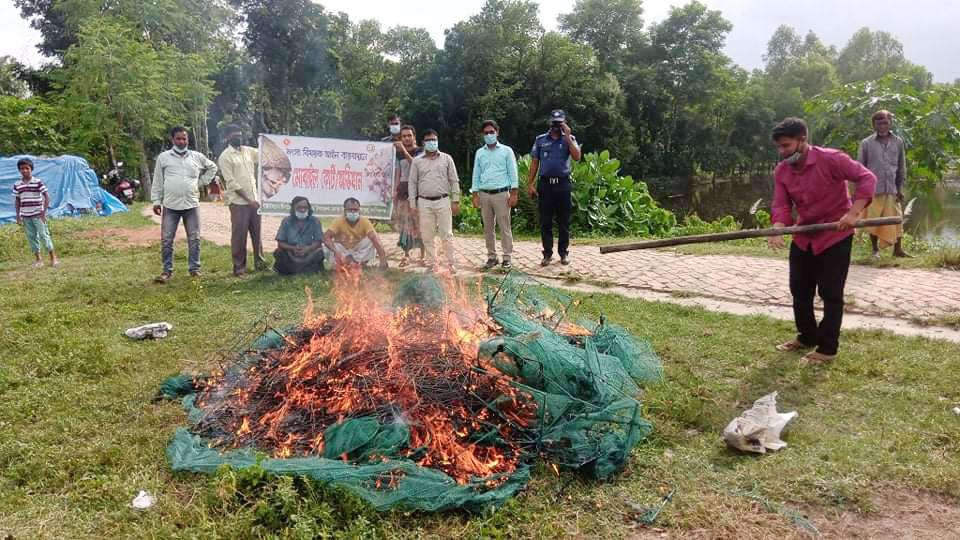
(437, 400)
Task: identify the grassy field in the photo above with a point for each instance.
(80, 433)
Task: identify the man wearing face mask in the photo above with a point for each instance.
(176, 195)
(812, 181)
(549, 179)
(435, 193)
(352, 240)
(238, 167)
(393, 128)
(494, 190)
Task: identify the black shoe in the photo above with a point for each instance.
(506, 265)
(491, 263)
(545, 261)
(564, 261)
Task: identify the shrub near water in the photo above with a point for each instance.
(604, 203)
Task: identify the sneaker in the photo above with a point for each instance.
(162, 278)
(564, 261)
(546, 261)
(506, 265)
(491, 263)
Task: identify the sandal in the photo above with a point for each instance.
(813, 358)
(162, 278)
(792, 346)
(403, 263)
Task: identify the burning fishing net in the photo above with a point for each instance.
(436, 401)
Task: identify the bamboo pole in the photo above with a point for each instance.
(738, 235)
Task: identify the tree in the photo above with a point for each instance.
(675, 85)
(11, 78)
(608, 26)
(927, 119)
(287, 41)
(30, 126)
(119, 93)
(871, 55)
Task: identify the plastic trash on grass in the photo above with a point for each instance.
(758, 429)
(143, 500)
(153, 330)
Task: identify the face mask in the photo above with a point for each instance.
(236, 142)
(394, 129)
(794, 157)
(490, 138)
(180, 149)
(431, 146)
(301, 215)
(352, 217)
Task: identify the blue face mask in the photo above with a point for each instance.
(490, 138)
(353, 217)
(302, 215)
(431, 146)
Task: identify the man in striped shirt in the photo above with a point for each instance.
(30, 198)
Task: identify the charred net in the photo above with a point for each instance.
(437, 401)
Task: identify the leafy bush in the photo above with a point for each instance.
(692, 224)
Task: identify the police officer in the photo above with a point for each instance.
(549, 180)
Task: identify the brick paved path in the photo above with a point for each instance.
(751, 280)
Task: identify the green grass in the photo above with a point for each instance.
(80, 433)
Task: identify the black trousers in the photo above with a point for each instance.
(825, 274)
(555, 202)
(286, 264)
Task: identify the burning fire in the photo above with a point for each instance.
(414, 365)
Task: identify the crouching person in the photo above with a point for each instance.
(299, 241)
(351, 239)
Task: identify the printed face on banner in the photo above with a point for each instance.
(327, 172)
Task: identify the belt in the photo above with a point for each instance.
(444, 196)
(495, 191)
(554, 179)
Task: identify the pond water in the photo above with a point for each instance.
(936, 214)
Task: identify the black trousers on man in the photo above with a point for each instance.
(825, 273)
(554, 202)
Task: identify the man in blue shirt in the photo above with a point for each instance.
(494, 191)
(549, 180)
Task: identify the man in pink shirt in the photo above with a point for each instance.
(812, 181)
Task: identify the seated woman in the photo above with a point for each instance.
(299, 241)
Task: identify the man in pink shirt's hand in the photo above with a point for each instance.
(812, 182)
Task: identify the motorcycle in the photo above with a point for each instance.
(122, 188)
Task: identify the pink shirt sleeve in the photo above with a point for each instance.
(856, 172)
(781, 208)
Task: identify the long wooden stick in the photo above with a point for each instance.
(749, 233)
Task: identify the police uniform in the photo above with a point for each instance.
(554, 189)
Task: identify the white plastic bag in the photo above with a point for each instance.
(143, 500)
(153, 330)
(758, 429)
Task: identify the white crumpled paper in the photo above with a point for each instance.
(143, 500)
(758, 429)
(153, 330)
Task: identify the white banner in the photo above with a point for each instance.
(327, 172)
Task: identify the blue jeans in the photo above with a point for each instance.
(168, 231)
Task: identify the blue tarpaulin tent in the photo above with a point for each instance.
(74, 187)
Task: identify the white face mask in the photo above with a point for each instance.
(353, 217)
(302, 215)
(394, 129)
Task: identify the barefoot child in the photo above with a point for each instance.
(31, 201)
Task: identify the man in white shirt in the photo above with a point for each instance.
(176, 195)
